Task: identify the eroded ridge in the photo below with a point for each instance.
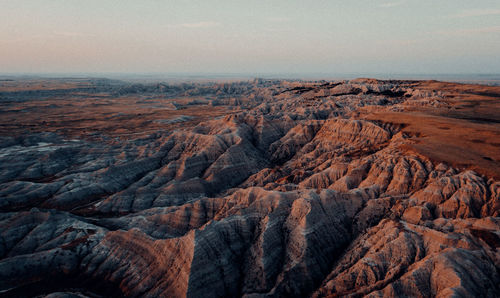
(347, 188)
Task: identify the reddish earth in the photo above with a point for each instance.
(259, 188)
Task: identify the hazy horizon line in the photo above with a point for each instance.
(248, 74)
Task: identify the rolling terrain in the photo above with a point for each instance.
(256, 188)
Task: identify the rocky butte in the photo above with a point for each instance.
(254, 188)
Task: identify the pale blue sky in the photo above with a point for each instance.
(222, 36)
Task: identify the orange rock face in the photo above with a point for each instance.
(261, 188)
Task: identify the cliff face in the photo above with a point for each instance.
(351, 188)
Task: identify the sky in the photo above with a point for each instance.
(233, 36)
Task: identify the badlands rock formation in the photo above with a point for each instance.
(262, 188)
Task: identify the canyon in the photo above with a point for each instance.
(252, 188)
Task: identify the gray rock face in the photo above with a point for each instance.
(294, 195)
